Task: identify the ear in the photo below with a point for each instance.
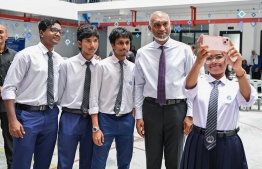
(113, 46)
(149, 27)
(41, 33)
(6, 37)
(79, 43)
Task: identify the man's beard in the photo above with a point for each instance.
(162, 39)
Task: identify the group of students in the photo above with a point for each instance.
(100, 101)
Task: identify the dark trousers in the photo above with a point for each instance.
(163, 133)
(39, 138)
(8, 140)
(256, 75)
(122, 130)
(74, 129)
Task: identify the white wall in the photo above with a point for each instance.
(61, 48)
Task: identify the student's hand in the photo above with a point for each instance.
(97, 57)
(256, 70)
(140, 127)
(202, 52)
(16, 129)
(188, 124)
(0, 91)
(232, 52)
(98, 138)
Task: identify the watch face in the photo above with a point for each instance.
(95, 129)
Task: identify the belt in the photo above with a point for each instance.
(31, 108)
(220, 133)
(119, 115)
(75, 111)
(168, 101)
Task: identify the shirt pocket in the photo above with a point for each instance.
(227, 97)
(129, 82)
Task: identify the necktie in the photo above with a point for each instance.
(211, 126)
(50, 81)
(119, 95)
(161, 88)
(85, 101)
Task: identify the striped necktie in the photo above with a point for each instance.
(50, 81)
(85, 101)
(119, 95)
(211, 126)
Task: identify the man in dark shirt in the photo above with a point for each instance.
(6, 58)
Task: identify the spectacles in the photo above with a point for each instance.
(55, 30)
(122, 43)
(218, 59)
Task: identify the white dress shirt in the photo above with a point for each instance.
(26, 80)
(105, 86)
(72, 79)
(179, 60)
(229, 100)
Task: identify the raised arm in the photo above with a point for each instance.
(202, 53)
(244, 85)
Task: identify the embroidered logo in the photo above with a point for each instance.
(229, 97)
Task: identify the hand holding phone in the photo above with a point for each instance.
(218, 43)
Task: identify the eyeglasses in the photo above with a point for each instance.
(55, 30)
(122, 43)
(218, 59)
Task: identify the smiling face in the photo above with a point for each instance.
(3, 34)
(216, 64)
(51, 36)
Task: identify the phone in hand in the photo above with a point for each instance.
(218, 43)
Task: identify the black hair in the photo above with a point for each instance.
(193, 46)
(86, 31)
(119, 32)
(47, 23)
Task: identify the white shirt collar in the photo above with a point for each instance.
(44, 49)
(83, 60)
(115, 59)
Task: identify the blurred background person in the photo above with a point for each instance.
(133, 49)
(256, 65)
(245, 66)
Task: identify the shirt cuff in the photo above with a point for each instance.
(139, 114)
(8, 95)
(93, 110)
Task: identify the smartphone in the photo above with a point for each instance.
(216, 42)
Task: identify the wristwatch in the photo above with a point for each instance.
(95, 129)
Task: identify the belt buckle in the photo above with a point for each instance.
(119, 115)
(42, 108)
(167, 102)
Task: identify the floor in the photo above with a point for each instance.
(250, 132)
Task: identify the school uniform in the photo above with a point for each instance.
(104, 91)
(228, 151)
(74, 126)
(26, 83)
